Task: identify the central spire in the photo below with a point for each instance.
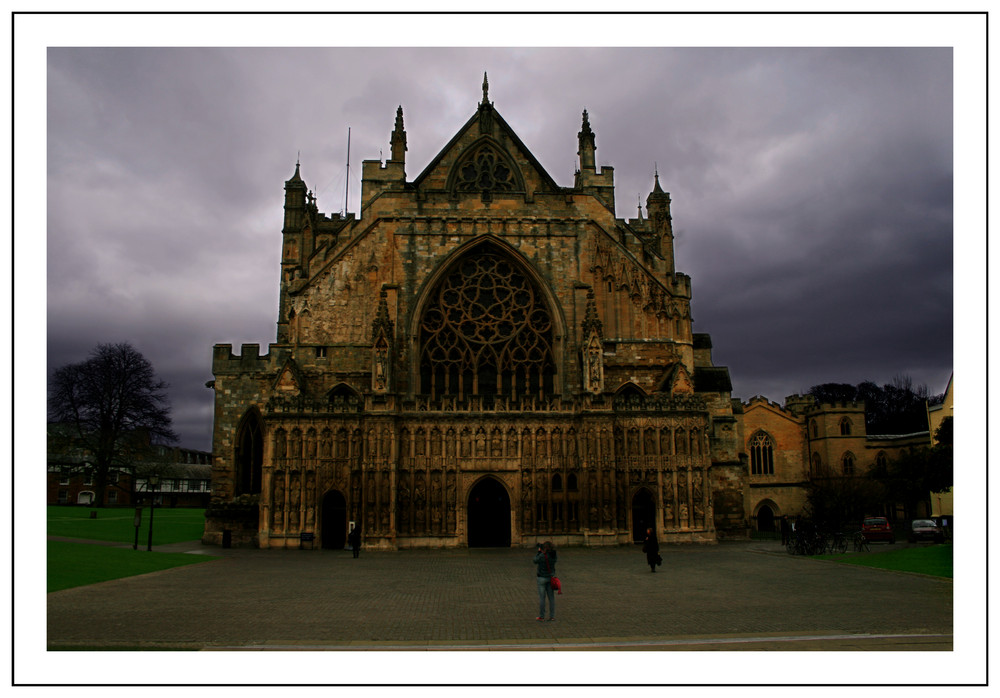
(486, 109)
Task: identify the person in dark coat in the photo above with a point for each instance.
(652, 549)
(785, 530)
(545, 568)
(354, 538)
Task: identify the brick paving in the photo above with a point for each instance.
(727, 596)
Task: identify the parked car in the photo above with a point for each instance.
(926, 529)
(878, 528)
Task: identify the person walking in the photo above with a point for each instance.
(354, 538)
(545, 564)
(652, 549)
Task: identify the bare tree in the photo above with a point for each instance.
(111, 406)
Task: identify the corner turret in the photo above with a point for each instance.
(588, 145)
(295, 201)
(658, 209)
(588, 179)
(397, 140)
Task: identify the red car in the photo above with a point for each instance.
(878, 528)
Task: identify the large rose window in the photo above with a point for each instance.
(486, 331)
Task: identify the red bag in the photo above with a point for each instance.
(553, 580)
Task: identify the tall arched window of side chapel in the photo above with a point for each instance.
(761, 454)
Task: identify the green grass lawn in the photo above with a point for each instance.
(116, 524)
(935, 560)
(76, 564)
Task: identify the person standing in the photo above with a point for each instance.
(785, 529)
(652, 549)
(354, 538)
(545, 564)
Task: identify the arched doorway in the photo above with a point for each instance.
(643, 514)
(765, 519)
(334, 521)
(489, 515)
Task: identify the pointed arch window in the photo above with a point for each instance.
(816, 464)
(848, 463)
(249, 456)
(761, 454)
(486, 331)
(845, 427)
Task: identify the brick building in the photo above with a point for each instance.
(185, 478)
(481, 358)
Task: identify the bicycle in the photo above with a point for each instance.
(806, 543)
(836, 544)
(861, 543)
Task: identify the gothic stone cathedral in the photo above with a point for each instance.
(483, 358)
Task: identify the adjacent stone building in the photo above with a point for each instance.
(789, 446)
(481, 358)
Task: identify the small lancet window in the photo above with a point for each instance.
(848, 463)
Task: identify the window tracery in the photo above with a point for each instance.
(485, 170)
(761, 454)
(486, 331)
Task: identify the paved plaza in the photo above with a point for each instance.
(731, 596)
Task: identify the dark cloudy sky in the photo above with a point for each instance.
(812, 192)
(811, 187)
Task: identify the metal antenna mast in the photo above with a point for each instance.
(347, 184)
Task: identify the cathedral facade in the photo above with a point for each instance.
(480, 358)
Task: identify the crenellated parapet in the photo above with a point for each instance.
(761, 400)
(249, 360)
(840, 406)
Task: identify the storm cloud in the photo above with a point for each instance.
(811, 188)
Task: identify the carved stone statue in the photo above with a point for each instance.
(278, 500)
(381, 367)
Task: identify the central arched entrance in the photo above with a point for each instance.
(489, 515)
(643, 514)
(334, 521)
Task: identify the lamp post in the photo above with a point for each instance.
(154, 480)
